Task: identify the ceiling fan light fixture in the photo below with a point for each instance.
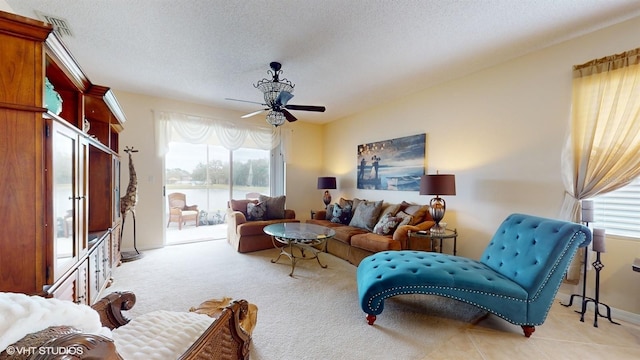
(271, 88)
(275, 118)
(277, 93)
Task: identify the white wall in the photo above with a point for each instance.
(501, 132)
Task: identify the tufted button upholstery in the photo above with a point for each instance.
(516, 277)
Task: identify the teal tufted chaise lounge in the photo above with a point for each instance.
(516, 278)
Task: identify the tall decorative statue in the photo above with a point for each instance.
(128, 204)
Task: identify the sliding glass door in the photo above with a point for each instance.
(210, 175)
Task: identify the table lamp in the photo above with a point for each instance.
(326, 183)
(438, 184)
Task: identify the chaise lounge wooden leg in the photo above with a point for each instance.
(371, 319)
(528, 330)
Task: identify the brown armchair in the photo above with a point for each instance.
(180, 212)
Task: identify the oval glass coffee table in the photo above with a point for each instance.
(307, 239)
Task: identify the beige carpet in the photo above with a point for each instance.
(314, 315)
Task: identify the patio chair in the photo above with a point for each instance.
(180, 212)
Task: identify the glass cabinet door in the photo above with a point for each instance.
(62, 172)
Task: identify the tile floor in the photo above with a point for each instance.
(562, 336)
(191, 233)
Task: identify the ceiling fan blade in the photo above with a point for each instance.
(283, 98)
(253, 113)
(289, 116)
(306, 108)
(247, 101)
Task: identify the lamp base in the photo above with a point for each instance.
(437, 207)
(326, 198)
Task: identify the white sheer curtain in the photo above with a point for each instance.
(604, 141)
(232, 135)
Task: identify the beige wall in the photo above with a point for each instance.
(304, 160)
(501, 132)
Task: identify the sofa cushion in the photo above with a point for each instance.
(275, 206)
(341, 214)
(256, 211)
(322, 222)
(374, 242)
(366, 215)
(241, 205)
(344, 233)
(386, 224)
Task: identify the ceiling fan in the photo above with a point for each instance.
(277, 93)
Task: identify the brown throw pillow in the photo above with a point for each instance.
(275, 206)
(418, 213)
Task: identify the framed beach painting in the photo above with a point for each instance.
(395, 164)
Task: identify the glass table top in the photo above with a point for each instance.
(299, 231)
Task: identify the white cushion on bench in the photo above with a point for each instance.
(160, 334)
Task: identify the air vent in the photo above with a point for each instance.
(60, 26)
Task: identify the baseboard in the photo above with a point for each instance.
(616, 314)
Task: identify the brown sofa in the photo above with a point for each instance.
(354, 243)
(247, 235)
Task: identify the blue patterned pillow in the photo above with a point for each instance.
(256, 211)
(341, 215)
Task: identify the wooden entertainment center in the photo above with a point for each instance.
(59, 170)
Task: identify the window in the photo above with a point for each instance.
(618, 212)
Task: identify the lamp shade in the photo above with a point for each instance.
(326, 182)
(438, 184)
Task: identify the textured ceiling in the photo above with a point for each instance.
(347, 55)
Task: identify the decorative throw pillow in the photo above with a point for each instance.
(341, 215)
(256, 211)
(366, 214)
(386, 224)
(329, 212)
(275, 206)
(405, 218)
(241, 205)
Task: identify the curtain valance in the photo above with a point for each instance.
(232, 135)
(607, 63)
